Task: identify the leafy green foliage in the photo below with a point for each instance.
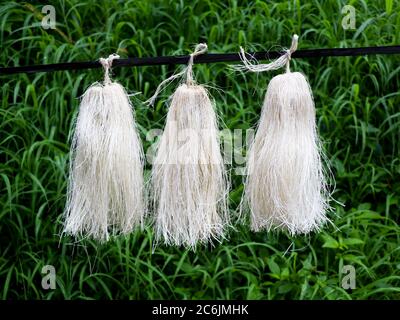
(357, 100)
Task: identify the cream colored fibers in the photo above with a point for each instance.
(105, 191)
(189, 181)
(285, 185)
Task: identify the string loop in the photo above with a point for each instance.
(283, 60)
(201, 48)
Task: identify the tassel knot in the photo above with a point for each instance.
(107, 63)
(282, 61)
(201, 48)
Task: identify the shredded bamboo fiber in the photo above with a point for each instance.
(285, 185)
(105, 191)
(188, 177)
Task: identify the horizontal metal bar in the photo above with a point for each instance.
(206, 58)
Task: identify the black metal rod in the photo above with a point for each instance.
(206, 58)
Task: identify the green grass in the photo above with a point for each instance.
(357, 100)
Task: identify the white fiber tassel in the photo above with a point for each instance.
(189, 181)
(105, 191)
(286, 186)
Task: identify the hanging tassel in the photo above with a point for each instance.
(188, 177)
(105, 191)
(286, 185)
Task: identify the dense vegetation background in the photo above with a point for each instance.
(357, 100)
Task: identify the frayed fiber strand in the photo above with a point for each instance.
(188, 176)
(105, 191)
(286, 185)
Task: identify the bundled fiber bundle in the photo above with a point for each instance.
(286, 185)
(105, 190)
(189, 182)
